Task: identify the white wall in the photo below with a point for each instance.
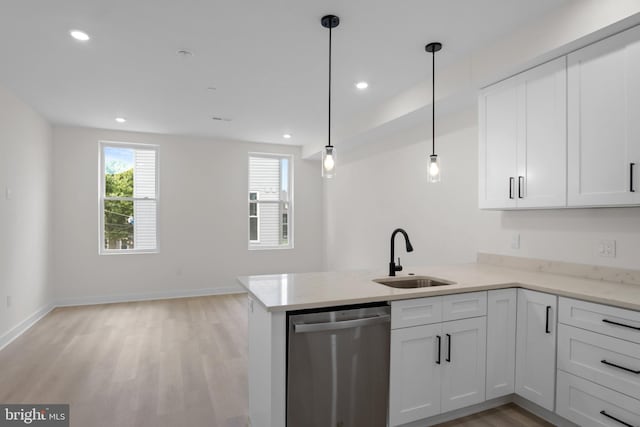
(25, 158)
(203, 219)
(382, 186)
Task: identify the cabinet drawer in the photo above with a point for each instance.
(616, 322)
(584, 402)
(462, 306)
(607, 361)
(416, 312)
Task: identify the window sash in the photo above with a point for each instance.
(102, 145)
(283, 198)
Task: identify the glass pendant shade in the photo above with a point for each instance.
(328, 161)
(434, 169)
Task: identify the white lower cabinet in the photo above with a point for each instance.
(589, 404)
(536, 347)
(415, 374)
(501, 342)
(464, 363)
(436, 368)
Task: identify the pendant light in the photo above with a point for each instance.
(434, 161)
(329, 152)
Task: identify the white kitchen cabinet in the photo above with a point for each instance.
(415, 374)
(536, 347)
(522, 152)
(437, 367)
(464, 362)
(603, 125)
(501, 342)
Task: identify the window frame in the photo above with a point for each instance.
(102, 197)
(290, 175)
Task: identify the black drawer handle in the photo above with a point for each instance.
(511, 179)
(631, 189)
(546, 327)
(520, 186)
(621, 324)
(616, 419)
(439, 345)
(620, 367)
(448, 359)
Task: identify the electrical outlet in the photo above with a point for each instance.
(607, 248)
(515, 241)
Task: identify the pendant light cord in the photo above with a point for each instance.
(433, 104)
(329, 130)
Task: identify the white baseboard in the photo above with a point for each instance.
(110, 299)
(24, 326)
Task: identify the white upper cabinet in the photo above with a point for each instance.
(522, 152)
(603, 122)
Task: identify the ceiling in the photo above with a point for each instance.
(266, 59)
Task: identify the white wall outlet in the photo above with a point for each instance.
(607, 248)
(515, 241)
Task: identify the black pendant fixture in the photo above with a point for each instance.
(434, 161)
(329, 152)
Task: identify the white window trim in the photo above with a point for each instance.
(257, 216)
(290, 218)
(101, 197)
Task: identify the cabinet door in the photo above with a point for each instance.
(464, 362)
(414, 383)
(498, 127)
(542, 140)
(603, 129)
(501, 342)
(536, 347)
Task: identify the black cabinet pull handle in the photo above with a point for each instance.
(620, 367)
(448, 359)
(631, 189)
(616, 419)
(621, 324)
(511, 179)
(520, 186)
(439, 345)
(546, 327)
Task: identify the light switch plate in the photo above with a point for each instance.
(606, 248)
(8, 193)
(515, 241)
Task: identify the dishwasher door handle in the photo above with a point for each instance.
(300, 328)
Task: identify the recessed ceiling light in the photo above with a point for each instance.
(120, 119)
(287, 136)
(362, 85)
(79, 35)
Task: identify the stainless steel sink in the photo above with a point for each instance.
(408, 282)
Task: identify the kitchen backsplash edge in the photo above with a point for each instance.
(594, 272)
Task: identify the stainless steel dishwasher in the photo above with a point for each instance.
(338, 368)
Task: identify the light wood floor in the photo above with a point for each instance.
(173, 363)
(509, 415)
(170, 363)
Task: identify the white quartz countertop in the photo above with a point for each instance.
(285, 292)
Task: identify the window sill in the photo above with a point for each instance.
(269, 248)
(126, 252)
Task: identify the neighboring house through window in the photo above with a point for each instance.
(270, 201)
(128, 198)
